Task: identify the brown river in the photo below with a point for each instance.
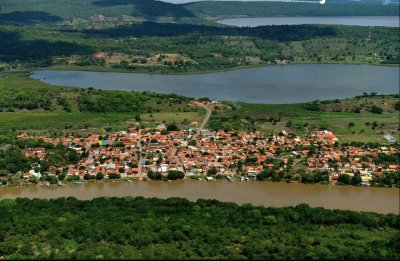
(382, 200)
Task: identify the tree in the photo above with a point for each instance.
(132, 165)
(175, 175)
(212, 171)
(377, 110)
(397, 106)
(33, 179)
(266, 174)
(114, 176)
(87, 176)
(99, 175)
(154, 175)
(356, 180)
(172, 127)
(276, 177)
(344, 178)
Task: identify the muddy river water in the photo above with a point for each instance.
(382, 200)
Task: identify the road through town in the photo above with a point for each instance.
(205, 119)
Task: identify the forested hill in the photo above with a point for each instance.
(222, 9)
(56, 10)
(38, 11)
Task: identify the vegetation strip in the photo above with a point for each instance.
(138, 228)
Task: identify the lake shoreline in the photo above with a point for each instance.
(302, 82)
(370, 21)
(236, 68)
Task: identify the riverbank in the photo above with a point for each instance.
(195, 178)
(267, 194)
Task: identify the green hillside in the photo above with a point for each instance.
(33, 11)
(222, 9)
(182, 48)
(55, 10)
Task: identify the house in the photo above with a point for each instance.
(389, 138)
(35, 174)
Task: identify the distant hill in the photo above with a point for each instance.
(224, 9)
(48, 11)
(56, 10)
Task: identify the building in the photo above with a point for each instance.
(389, 138)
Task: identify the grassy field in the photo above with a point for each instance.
(50, 122)
(17, 85)
(362, 130)
(349, 126)
(180, 118)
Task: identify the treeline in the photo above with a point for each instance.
(358, 106)
(280, 33)
(132, 228)
(29, 17)
(13, 47)
(171, 175)
(149, 8)
(110, 101)
(265, 9)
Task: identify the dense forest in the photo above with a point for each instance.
(223, 9)
(279, 33)
(16, 10)
(139, 228)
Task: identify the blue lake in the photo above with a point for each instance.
(388, 21)
(270, 84)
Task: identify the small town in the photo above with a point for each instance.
(162, 154)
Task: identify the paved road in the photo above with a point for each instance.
(205, 119)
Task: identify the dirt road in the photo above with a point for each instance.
(205, 119)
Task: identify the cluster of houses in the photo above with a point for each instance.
(135, 152)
